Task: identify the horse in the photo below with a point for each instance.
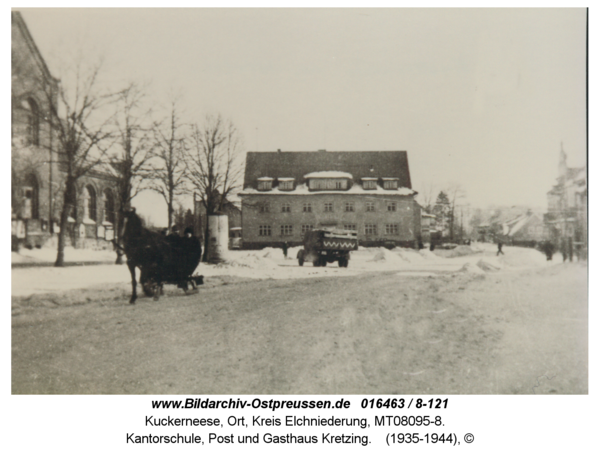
(160, 259)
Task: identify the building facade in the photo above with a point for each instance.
(287, 193)
(566, 218)
(37, 175)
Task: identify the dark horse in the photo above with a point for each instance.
(160, 259)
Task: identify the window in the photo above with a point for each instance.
(370, 206)
(286, 229)
(350, 227)
(391, 229)
(307, 207)
(33, 122)
(390, 184)
(264, 231)
(370, 229)
(286, 207)
(31, 198)
(391, 206)
(369, 184)
(328, 206)
(264, 207)
(349, 206)
(109, 207)
(89, 203)
(265, 183)
(306, 228)
(328, 184)
(286, 184)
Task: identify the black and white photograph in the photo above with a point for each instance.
(299, 201)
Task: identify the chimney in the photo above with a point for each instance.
(278, 150)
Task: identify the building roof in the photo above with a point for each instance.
(17, 20)
(377, 164)
(511, 227)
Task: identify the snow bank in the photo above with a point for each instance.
(253, 260)
(523, 257)
(461, 250)
(272, 253)
(471, 269)
(71, 255)
(387, 256)
(489, 264)
(409, 255)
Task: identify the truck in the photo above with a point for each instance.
(322, 246)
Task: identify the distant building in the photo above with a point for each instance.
(525, 230)
(37, 173)
(567, 208)
(286, 194)
(428, 225)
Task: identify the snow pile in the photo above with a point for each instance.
(47, 254)
(428, 254)
(489, 264)
(471, 269)
(409, 255)
(254, 260)
(461, 250)
(523, 257)
(272, 253)
(387, 256)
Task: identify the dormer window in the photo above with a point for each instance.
(265, 183)
(328, 180)
(390, 183)
(286, 184)
(369, 183)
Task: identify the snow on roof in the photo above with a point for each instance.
(265, 178)
(304, 191)
(328, 175)
(389, 178)
(285, 179)
(369, 178)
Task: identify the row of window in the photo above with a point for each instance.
(307, 207)
(266, 184)
(288, 229)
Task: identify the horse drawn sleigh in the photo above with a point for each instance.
(161, 259)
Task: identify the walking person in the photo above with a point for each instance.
(285, 249)
(499, 249)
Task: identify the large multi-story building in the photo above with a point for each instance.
(38, 173)
(567, 208)
(287, 193)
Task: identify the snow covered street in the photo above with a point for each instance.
(270, 263)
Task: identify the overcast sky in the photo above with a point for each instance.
(483, 98)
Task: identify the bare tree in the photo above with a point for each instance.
(214, 165)
(81, 122)
(167, 167)
(427, 195)
(455, 193)
(130, 160)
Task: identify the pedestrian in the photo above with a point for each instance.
(570, 249)
(499, 249)
(285, 249)
(549, 250)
